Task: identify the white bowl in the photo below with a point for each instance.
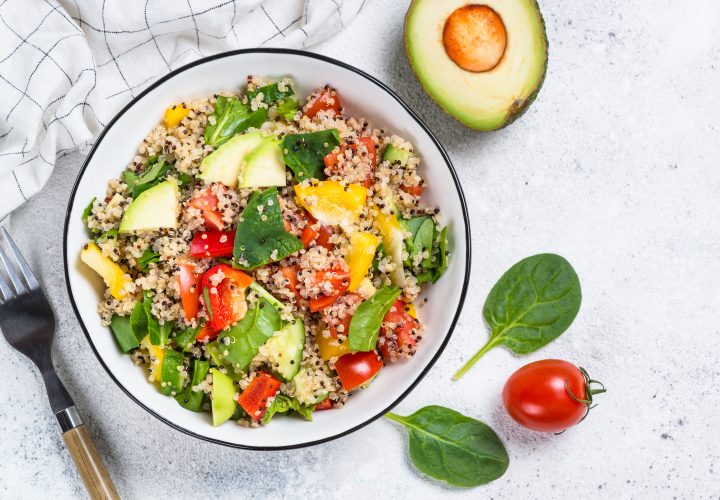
(362, 96)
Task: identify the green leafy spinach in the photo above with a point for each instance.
(533, 303)
(305, 154)
(171, 378)
(155, 171)
(285, 404)
(451, 447)
(126, 339)
(424, 236)
(190, 399)
(148, 257)
(261, 321)
(272, 93)
(88, 210)
(366, 322)
(231, 117)
(261, 237)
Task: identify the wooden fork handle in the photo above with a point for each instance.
(82, 449)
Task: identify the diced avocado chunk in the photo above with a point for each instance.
(225, 164)
(190, 399)
(394, 154)
(155, 208)
(172, 379)
(223, 397)
(264, 165)
(285, 349)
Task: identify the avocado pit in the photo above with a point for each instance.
(474, 37)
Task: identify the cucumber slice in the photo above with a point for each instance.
(394, 154)
(223, 401)
(285, 349)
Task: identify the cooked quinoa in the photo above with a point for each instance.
(299, 232)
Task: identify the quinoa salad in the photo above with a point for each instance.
(264, 253)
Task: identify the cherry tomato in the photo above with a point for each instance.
(227, 299)
(212, 244)
(357, 368)
(549, 395)
(189, 289)
(323, 100)
(399, 333)
(339, 282)
(207, 202)
(254, 398)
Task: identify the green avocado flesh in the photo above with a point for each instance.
(247, 160)
(486, 100)
(153, 209)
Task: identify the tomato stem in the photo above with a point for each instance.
(462, 371)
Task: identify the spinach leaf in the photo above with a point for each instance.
(156, 170)
(185, 338)
(285, 404)
(288, 109)
(425, 236)
(533, 303)
(138, 320)
(305, 154)
(271, 93)
(366, 322)
(442, 255)
(159, 333)
(193, 400)
(88, 210)
(246, 337)
(448, 446)
(261, 237)
(171, 379)
(208, 304)
(111, 234)
(148, 257)
(230, 117)
(120, 326)
(183, 178)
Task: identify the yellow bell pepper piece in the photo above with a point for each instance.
(115, 278)
(362, 251)
(174, 115)
(411, 310)
(158, 353)
(331, 202)
(393, 243)
(330, 347)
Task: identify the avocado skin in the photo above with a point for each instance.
(512, 115)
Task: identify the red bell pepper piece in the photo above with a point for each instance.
(212, 244)
(189, 289)
(227, 298)
(323, 100)
(254, 398)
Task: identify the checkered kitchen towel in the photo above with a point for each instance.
(66, 66)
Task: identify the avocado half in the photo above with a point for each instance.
(483, 62)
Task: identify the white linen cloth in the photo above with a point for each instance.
(66, 66)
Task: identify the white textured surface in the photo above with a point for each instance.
(615, 167)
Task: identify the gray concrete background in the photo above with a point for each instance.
(615, 167)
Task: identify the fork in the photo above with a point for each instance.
(28, 323)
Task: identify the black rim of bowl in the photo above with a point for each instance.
(414, 116)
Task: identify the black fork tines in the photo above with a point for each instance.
(23, 281)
